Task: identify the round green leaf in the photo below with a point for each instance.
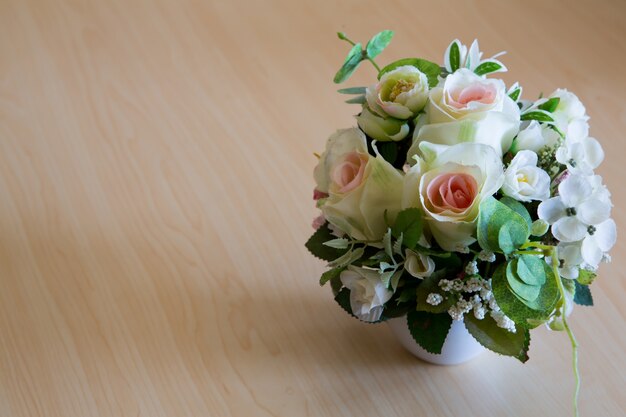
(530, 270)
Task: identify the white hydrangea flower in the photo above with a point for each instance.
(570, 259)
(524, 181)
(580, 155)
(581, 213)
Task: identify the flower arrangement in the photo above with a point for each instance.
(456, 199)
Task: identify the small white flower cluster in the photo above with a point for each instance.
(487, 256)
(480, 302)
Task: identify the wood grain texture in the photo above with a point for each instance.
(155, 183)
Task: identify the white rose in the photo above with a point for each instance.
(384, 129)
(524, 181)
(449, 184)
(419, 265)
(367, 292)
(363, 191)
(535, 137)
(400, 93)
(469, 108)
(570, 116)
(338, 144)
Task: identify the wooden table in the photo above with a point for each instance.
(155, 183)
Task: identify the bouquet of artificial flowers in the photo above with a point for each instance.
(455, 199)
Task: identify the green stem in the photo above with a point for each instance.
(374, 64)
(563, 306)
(529, 252)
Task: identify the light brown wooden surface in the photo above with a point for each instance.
(155, 195)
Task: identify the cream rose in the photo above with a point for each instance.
(449, 185)
(469, 108)
(384, 129)
(400, 93)
(338, 145)
(363, 190)
(368, 294)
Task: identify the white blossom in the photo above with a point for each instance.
(434, 299)
(471, 268)
(580, 213)
(368, 294)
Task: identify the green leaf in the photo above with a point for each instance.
(524, 291)
(387, 243)
(530, 270)
(330, 274)
(352, 90)
(539, 115)
(347, 258)
(514, 95)
(356, 100)
(431, 285)
(429, 330)
(408, 225)
(316, 246)
(582, 296)
(388, 150)
(407, 294)
(339, 243)
(352, 61)
(500, 228)
(517, 310)
(455, 56)
(430, 69)
(497, 339)
(487, 67)
(550, 105)
(586, 277)
(378, 43)
(343, 299)
(517, 207)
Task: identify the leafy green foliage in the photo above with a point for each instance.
(330, 275)
(550, 105)
(429, 330)
(316, 246)
(408, 225)
(539, 115)
(526, 276)
(582, 296)
(339, 243)
(586, 277)
(525, 314)
(356, 100)
(514, 95)
(347, 258)
(352, 90)
(430, 69)
(431, 285)
(455, 56)
(497, 339)
(378, 43)
(343, 299)
(501, 228)
(388, 150)
(517, 207)
(487, 67)
(352, 61)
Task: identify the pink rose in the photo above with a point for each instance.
(477, 92)
(348, 174)
(451, 192)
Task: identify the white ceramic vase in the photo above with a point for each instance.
(458, 347)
